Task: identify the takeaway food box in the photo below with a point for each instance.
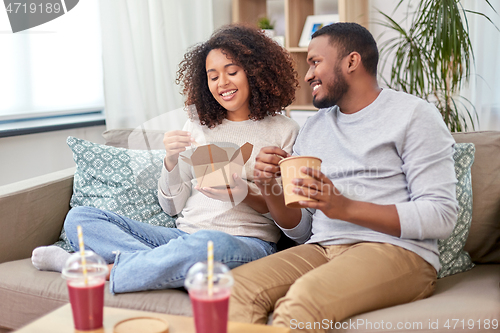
(214, 165)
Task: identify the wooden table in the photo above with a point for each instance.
(61, 321)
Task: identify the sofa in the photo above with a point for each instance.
(32, 213)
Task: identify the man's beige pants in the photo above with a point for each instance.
(309, 283)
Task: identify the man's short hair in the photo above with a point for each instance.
(352, 37)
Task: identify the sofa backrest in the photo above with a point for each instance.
(32, 213)
(134, 138)
(483, 243)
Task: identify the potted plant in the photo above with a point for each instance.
(432, 59)
(267, 25)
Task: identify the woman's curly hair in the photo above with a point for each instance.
(269, 69)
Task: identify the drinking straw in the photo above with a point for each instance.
(82, 253)
(210, 267)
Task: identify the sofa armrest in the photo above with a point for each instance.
(32, 213)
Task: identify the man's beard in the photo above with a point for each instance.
(335, 91)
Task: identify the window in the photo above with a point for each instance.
(52, 69)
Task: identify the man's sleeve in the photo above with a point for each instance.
(302, 231)
(428, 164)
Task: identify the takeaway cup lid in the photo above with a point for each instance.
(95, 265)
(197, 276)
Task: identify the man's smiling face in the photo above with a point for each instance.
(325, 74)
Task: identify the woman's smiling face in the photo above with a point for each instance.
(228, 84)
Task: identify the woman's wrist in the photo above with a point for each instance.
(170, 163)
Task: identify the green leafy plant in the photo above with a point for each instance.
(432, 59)
(265, 23)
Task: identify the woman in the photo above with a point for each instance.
(238, 81)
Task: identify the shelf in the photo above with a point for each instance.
(297, 49)
(248, 11)
(354, 11)
(296, 12)
(308, 107)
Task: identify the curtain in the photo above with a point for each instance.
(484, 85)
(143, 43)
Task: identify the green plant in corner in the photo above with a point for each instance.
(265, 23)
(432, 59)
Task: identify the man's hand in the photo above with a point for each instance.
(329, 199)
(265, 172)
(266, 165)
(382, 218)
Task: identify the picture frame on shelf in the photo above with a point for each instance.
(314, 23)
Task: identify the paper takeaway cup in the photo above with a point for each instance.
(86, 289)
(290, 169)
(210, 309)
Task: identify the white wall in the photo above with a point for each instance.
(222, 12)
(379, 32)
(27, 156)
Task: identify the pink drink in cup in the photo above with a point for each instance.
(86, 291)
(87, 303)
(210, 311)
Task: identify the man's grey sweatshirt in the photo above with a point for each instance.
(396, 151)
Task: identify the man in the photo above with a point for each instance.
(386, 193)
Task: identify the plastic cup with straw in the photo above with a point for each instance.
(209, 286)
(85, 274)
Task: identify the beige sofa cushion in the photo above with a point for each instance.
(29, 294)
(483, 243)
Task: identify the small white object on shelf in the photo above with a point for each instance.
(280, 40)
(269, 32)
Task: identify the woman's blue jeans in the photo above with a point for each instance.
(149, 257)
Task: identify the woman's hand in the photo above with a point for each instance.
(235, 194)
(175, 142)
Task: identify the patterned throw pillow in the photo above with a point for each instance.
(119, 180)
(454, 259)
